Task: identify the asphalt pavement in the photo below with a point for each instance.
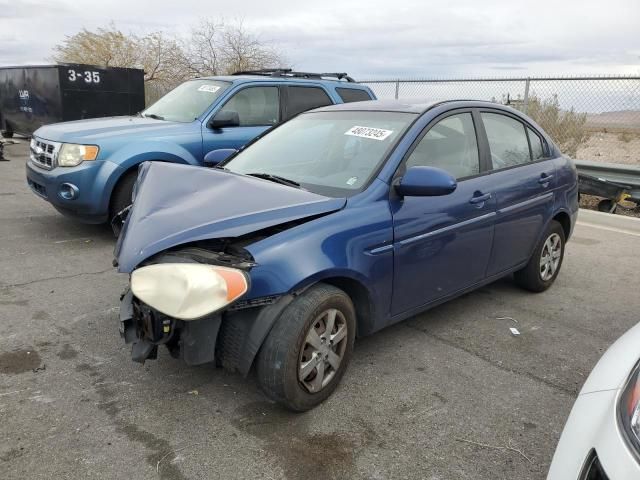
(449, 394)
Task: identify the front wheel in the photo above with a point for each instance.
(121, 196)
(308, 349)
(545, 263)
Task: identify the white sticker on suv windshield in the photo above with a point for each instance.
(209, 88)
(369, 132)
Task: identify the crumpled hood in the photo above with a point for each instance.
(177, 204)
(97, 130)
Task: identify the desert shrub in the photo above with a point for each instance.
(625, 137)
(567, 128)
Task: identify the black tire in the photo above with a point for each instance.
(531, 276)
(281, 353)
(7, 134)
(607, 205)
(121, 196)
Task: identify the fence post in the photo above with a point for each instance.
(397, 88)
(526, 94)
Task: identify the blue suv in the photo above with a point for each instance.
(86, 169)
(334, 225)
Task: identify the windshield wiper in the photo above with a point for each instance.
(275, 178)
(154, 116)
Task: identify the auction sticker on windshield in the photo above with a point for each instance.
(209, 88)
(369, 132)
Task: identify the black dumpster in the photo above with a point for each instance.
(31, 96)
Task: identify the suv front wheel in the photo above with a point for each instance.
(308, 349)
(121, 196)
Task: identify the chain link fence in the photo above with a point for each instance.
(590, 118)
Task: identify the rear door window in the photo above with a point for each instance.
(353, 95)
(301, 99)
(507, 140)
(450, 145)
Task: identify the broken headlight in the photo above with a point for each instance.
(188, 291)
(629, 409)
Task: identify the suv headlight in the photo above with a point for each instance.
(629, 409)
(71, 154)
(188, 291)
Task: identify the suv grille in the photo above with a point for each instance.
(43, 152)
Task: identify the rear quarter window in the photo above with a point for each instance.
(301, 99)
(353, 95)
(537, 148)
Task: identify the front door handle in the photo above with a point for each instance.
(480, 199)
(545, 179)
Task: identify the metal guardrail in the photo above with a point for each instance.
(612, 172)
(612, 181)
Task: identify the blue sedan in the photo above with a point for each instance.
(334, 225)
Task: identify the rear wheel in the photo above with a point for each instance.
(308, 349)
(545, 263)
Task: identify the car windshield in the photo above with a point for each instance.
(331, 153)
(186, 102)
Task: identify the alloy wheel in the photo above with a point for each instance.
(323, 350)
(550, 256)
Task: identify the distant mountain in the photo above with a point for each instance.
(620, 119)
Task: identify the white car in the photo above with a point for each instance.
(601, 439)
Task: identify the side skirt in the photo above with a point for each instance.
(423, 308)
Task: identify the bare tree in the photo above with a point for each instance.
(107, 47)
(204, 49)
(217, 47)
(164, 62)
(160, 56)
(214, 48)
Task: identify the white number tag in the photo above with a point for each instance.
(87, 76)
(209, 88)
(369, 132)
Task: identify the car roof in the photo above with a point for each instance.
(260, 78)
(407, 105)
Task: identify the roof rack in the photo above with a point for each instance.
(288, 72)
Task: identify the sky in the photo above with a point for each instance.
(368, 39)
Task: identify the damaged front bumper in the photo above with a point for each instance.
(146, 329)
(231, 337)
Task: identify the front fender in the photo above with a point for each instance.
(132, 155)
(330, 274)
(341, 245)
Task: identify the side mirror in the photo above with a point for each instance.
(224, 118)
(425, 182)
(215, 157)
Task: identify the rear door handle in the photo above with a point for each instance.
(478, 199)
(545, 178)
